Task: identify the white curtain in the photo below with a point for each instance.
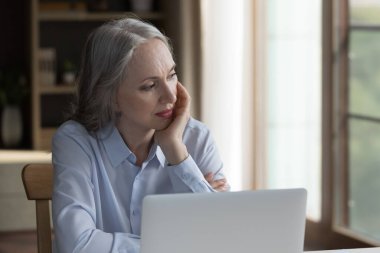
(292, 102)
(227, 87)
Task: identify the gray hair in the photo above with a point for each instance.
(105, 59)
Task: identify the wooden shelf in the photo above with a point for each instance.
(94, 16)
(57, 89)
(46, 137)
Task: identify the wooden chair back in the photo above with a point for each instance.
(38, 184)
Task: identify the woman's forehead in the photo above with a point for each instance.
(151, 56)
(152, 48)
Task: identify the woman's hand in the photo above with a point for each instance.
(219, 185)
(170, 139)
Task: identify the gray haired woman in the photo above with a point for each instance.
(130, 135)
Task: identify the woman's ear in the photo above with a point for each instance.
(118, 114)
(116, 109)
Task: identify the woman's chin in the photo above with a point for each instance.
(164, 124)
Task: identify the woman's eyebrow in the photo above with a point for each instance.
(156, 77)
(172, 68)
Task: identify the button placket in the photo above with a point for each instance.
(134, 203)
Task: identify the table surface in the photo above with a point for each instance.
(24, 156)
(364, 250)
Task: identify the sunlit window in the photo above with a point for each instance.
(293, 97)
(283, 76)
(358, 183)
(226, 86)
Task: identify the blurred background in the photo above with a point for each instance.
(289, 88)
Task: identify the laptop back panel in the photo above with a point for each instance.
(265, 221)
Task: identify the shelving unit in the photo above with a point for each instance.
(62, 27)
(86, 16)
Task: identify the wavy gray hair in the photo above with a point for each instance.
(105, 59)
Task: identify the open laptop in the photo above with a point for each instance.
(264, 221)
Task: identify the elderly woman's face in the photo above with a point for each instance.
(148, 95)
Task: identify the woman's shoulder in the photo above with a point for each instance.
(196, 125)
(198, 139)
(72, 128)
(73, 131)
(196, 129)
(72, 138)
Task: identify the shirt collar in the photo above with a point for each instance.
(118, 151)
(155, 151)
(160, 155)
(114, 145)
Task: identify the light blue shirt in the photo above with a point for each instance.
(98, 189)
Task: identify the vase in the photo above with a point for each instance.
(68, 77)
(11, 126)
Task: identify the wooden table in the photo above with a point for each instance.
(364, 250)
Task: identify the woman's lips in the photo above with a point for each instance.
(165, 114)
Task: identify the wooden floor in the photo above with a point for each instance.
(18, 242)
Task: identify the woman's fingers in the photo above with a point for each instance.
(209, 177)
(218, 185)
(182, 106)
(182, 95)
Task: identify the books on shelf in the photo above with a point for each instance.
(47, 66)
(63, 6)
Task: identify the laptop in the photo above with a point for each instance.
(263, 221)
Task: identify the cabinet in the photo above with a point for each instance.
(65, 31)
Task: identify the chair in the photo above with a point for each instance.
(38, 184)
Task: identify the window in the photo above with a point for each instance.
(226, 84)
(290, 48)
(357, 103)
(309, 102)
(270, 100)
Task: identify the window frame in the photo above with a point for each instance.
(322, 234)
(335, 115)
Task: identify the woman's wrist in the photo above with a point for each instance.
(175, 153)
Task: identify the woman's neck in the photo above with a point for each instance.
(138, 142)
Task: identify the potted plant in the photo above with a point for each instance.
(69, 70)
(12, 92)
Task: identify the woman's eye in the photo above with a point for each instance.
(148, 87)
(173, 75)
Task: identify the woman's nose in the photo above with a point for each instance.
(168, 94)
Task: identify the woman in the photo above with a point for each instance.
(130, 135)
